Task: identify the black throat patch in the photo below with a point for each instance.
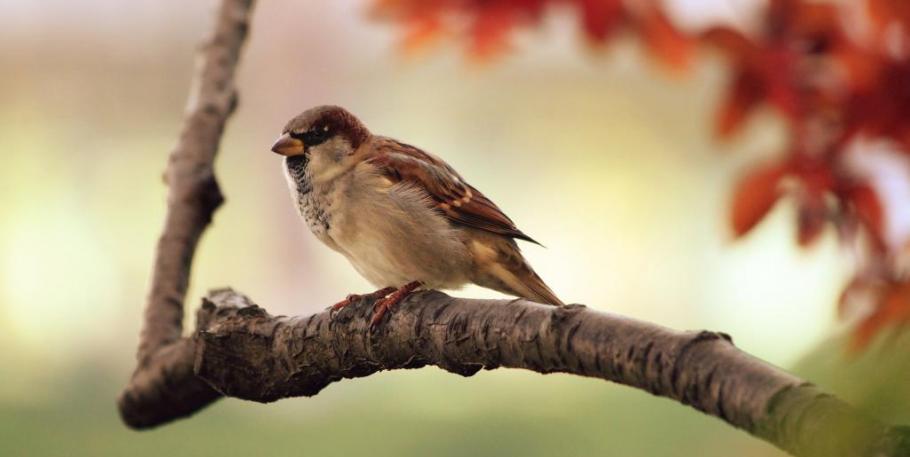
(297, 171)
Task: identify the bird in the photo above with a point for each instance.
(403, 217)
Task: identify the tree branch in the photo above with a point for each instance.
(193, 197)
(241, 351)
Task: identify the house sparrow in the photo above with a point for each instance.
(404, 218)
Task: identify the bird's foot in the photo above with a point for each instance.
(385, 304)
(357, 297)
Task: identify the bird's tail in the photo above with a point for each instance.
(537, 290)
(510, 273)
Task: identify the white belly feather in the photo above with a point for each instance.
(390, 233)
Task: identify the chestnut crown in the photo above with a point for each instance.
(322, 123)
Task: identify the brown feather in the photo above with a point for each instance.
(499, 265)
(460, 202)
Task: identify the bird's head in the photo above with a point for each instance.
(325, 135)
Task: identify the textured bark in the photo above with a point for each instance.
(246, 353)
(161, 384)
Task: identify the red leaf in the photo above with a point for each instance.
(755, 195)
(665, 41)
(600, 17)
(420, 32)
(490, 30)
(865, 203)
(863, 69)
(894, 308)
(883, 12)
(882, 109)
(757, 78)
(742, 97)
(777, 74)
(730, 41)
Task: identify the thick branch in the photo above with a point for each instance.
(192, 199)
(245, 353)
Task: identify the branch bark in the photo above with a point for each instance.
(239, 350)
(193, 197)
(243, 352)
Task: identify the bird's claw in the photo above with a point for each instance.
(353, 298)
(382, 306)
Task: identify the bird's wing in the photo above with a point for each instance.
(460, 202)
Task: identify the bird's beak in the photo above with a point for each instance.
(287, 146)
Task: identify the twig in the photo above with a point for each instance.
(192, 199)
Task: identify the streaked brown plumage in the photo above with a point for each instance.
(402, 216)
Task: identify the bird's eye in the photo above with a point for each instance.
(314, 136)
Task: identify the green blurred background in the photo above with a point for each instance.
(599, 155)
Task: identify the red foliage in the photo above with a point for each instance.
(600, 18)
(419, 32)
(863, 204)
(883, 12)
(755, 195)
(664, 41)
(831, 79)
(893, 308)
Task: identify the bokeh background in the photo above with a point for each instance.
(606, 160)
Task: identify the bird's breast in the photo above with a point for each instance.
(313, 202)
(389, 233)
(314, 209)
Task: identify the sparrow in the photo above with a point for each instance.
(403, 217)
